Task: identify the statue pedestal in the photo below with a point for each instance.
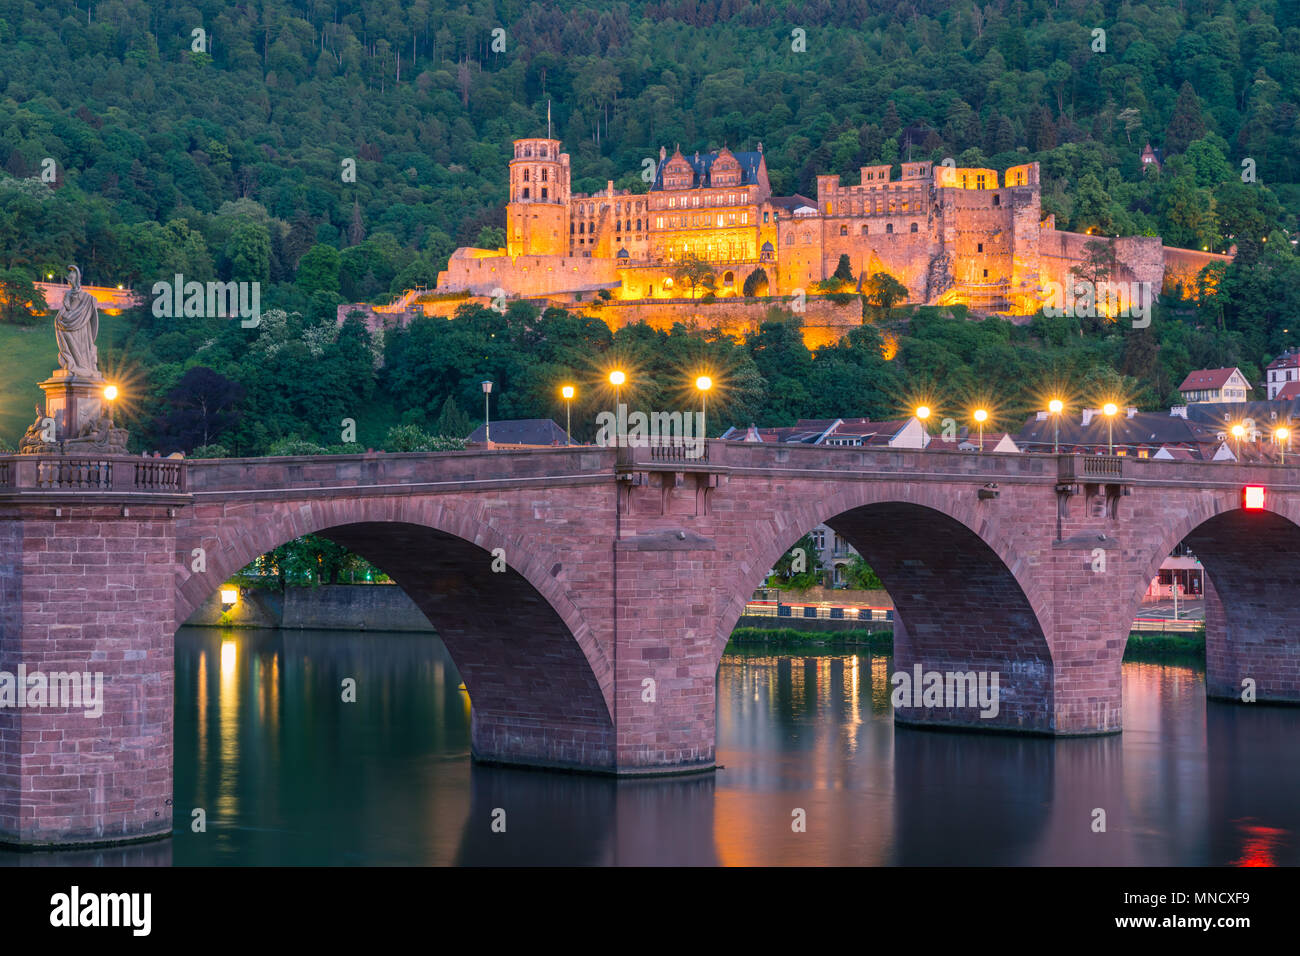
(73, 402)
(77, 419)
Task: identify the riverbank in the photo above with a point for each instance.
(1141, 646)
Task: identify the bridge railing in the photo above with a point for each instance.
(119, 473)
(1095, 467)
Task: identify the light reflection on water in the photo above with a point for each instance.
(289, 774)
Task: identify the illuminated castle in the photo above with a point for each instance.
(950, 234)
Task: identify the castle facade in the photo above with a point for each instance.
(951, 235)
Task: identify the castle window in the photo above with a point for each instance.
(789, 238)
(525, 192)
(744, 219)
(979, 247)
(582, 227)
(638, 222)
(659, 222)
(913, 229)
(997, 200)
(571, 230)
(765, 215)
(979, 181)
(807, 238)
(672, 202)
(864, 229)
(889, 227)
(828, 209)
(544, 175)
(543, 192)
(986, 273)
(844, 230)
(526, 175)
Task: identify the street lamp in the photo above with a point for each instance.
(704, 383)
(981, 416)
(1109, 410)
(1238, 432)
(1280, 436)
(110, 396)
(487, 420)
(1055, 406)
(567, 392)
(617, 378)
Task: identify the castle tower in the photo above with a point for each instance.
(537, 215)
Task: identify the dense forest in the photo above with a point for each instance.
(143, 139)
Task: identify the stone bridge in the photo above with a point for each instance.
(586, 594)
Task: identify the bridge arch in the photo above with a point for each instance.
(961, 589)
(538, 679)
(1251, 622)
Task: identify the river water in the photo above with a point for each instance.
(286, 773)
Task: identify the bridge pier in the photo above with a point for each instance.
(87, 618)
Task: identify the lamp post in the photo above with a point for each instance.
(923, 413)
(704, 383)
(487, 418)
(567, 392)
(1238, 432)
(1109, 410)
(1282, 436)
(981, 416)
(617, 378)
(110, 396)
(1055, 406)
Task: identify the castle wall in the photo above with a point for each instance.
(526, 275)
(1182, 265)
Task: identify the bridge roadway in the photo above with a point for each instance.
(594, 642)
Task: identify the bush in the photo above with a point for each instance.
(210, 451)
(410, 438)
(708, 297)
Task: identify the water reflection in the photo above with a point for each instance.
(289, 772)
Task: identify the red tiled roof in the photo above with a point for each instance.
(1288, 391)
(1206, 378)
(1286, 360)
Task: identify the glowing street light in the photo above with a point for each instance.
(1110, 409)
(923, 412)
(1238, 432)
(1282, 436)
(981, 416)
(704, 383)
(567, 391)
(1056, 406)
(487, 422)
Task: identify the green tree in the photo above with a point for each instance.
(880, 294)
(318, 270)
(695, 274)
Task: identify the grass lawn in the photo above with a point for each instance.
(27, 356)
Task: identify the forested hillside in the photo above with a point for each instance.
(139, 147)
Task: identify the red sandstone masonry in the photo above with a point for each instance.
(598, 648)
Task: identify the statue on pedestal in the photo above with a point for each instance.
(76, 326)
(77, 418)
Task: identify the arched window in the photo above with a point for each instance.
(864, 229)
(728, 278)
(789, 238)
(889, 227)
(844, 230)
(807, 238)
(638, 223)
(913, 227)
